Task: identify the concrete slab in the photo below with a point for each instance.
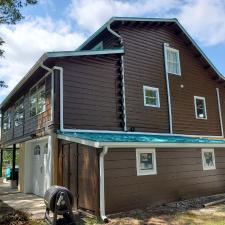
(25, 202)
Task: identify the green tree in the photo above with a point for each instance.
(10, 13)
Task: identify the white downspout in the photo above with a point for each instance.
(102, 184)
(219, 108)
(168, 89)
(123, 78)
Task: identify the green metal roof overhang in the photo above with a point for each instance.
(122, 139)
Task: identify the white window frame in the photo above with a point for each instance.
(146, 172)
(8, 124)
(38, 88)
(18, 103)
(167, 67)
(196, 114)
(203, 159)
(157, 96)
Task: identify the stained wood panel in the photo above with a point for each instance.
(179, 176)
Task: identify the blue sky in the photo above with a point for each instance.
(54, 25)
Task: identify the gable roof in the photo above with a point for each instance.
(158, 20)
(59, 54)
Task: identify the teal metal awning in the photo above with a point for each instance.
(123, 139)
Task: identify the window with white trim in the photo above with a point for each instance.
(208, 159)
(6, 121)
(19, 113)
(173, 61)
(37, 100)
(151, 96)
(200, 107)
(146, 162)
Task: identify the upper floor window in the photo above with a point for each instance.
(173, 61)
(37, 100)
(151, 96)
(6, 121)
(98, 47)
(200, 108)
(19, 113)
(146, 162)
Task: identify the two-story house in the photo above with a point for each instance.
(134, 117)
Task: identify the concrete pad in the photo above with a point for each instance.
(29, 203)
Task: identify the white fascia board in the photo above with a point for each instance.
(79, 140)
(84, 53)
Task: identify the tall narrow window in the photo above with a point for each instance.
(200, 108)
(151, 96)
(6, 121)
(19, 113)
(146, 162)
(37, 100)
(173, 61)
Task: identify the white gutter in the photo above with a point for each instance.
(219, 108)
(165, 45)
(102, 184)
(123, 78)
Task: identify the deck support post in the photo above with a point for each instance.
(13, 161)
(1, 162)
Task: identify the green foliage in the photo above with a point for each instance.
(10, 10)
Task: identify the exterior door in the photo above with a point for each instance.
(40, 163)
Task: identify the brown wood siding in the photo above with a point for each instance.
(144, 65)
(31, 125)
(109, 41)
(79, 171)
(179, 176)
(91, 93)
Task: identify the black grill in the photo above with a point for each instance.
(59, 200)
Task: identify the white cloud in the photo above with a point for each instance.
(91, 14)
(27, 41)
(205, 19)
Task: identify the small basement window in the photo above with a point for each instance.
(19, 113)
(173, 61)
(6, 121)
(200, 108)
(146, 162)
(151, 96)
(208, 159)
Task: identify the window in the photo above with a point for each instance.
(200, 108)
(6, 121)
(37, 150)
(208, 159)
(37, 100)
(46, 148)
(173, 61)
(19, 113)
(151, 96)
(146, 162)
(98, 47)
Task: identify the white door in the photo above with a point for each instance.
(40, 162)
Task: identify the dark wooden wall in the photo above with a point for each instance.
(92, 97)
(79, 172)
(32, 124)
(179, 176)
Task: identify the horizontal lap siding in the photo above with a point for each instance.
(91, 93)
(144, 65)
(179, 176)
(31, 125)
(143, 62)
